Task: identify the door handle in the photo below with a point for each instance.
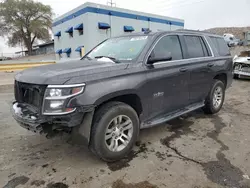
(183, 69)
(210, 64)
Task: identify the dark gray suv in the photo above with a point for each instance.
(123, 85)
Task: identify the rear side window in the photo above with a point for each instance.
(196, 47)
(169, 44)
(220, 45)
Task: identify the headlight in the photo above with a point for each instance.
(57, 97)
(55, 92)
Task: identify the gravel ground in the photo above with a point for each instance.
(194, 151)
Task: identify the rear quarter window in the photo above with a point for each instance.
(220, 45)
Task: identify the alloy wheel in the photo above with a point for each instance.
(118, 133)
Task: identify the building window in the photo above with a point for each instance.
(102, 25)
(67, 51)
(79, 27)
(70, 31)
(127, 28)
(59, 52)
(81, 51)
(58, 34)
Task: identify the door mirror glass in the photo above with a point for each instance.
(159, 56)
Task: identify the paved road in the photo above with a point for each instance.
(195, 151)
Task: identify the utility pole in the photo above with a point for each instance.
(111, 3)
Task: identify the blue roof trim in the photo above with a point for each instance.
(144, 29)
(67, 50)
(102, 25)
(78, 27)
(58, 34)
(117, 14)
(128, 28)
(59, 51)
(69, 30)
(79, 48)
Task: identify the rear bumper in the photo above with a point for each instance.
(28, 117)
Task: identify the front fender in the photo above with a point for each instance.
(113, 95)
(100, 91)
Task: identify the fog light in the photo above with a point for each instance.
(56, 104)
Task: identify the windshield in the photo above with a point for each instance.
(122, 48)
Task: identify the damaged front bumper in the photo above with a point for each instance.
(30, 118)
(242, 73)
(242, 69)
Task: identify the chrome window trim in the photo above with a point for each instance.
(180, 60)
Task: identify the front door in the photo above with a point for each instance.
(167, 81)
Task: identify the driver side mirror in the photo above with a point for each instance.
(160, 56)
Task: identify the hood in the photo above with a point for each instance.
(61, 73)
(242, 60)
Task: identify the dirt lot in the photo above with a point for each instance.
(195, 151)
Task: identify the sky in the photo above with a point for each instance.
(197, 14)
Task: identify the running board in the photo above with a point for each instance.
(172, 115)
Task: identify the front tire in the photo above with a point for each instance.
(115, 131)
(215, 98)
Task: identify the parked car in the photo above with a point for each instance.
(231, 40)
(242, 65)
(123, 85)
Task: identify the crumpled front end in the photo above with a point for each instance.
(27, 110)
(27, 116)
(242, 64)
(242, 69)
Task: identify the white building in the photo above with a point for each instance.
(79, 30)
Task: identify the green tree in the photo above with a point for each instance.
(26, 21)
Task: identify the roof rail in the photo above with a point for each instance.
(196, 31)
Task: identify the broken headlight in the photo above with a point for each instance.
(57, 96)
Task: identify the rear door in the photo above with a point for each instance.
(167, 81)
(199, 57)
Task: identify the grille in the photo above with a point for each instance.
(242, 67)
(29, 93)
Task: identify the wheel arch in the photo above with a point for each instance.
(129, 97)
(222, 77)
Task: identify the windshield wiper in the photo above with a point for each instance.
(89, 58)
(112, 58)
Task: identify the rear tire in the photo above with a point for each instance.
(215, 98)
(114, 132)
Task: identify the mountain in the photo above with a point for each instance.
(238, 32)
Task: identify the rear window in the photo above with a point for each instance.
(220, 45)
(195, 46)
